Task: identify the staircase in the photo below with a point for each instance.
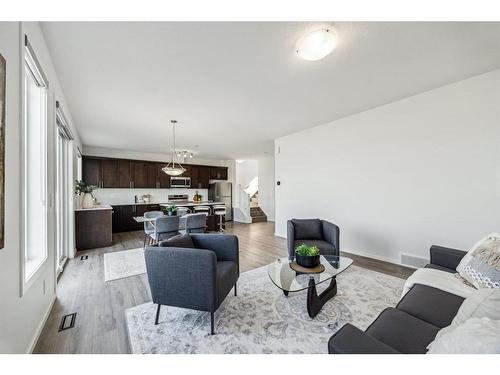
(256, 212)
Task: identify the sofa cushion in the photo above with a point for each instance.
(481, 265)
(181, 240)
(402, 331)
(433, 305)
(324, 247)
(307, 229)
(351, 340)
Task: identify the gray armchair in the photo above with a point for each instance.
(194, 271)
(313, 232)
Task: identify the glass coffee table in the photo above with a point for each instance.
(289, 280)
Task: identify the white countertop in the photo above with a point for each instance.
(97, 207)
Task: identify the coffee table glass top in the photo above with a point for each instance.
(284, 277)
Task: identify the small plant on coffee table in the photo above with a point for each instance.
(307, 256)
(307, 251)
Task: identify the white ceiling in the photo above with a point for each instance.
(234, 87)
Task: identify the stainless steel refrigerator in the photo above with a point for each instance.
(222, 192)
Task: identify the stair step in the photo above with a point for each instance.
(258, 219)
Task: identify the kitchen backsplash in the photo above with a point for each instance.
(126, 196)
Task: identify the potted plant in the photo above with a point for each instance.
(307, 256)
(88, 198)
(172, 210)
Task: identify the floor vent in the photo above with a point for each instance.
(67, 322)
(84, 257)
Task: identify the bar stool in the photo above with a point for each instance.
(202, 210)
(220, 211)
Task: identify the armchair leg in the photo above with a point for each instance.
(212, 331)
(157, 314)
(235, 291)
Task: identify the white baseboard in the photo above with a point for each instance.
(365, 254)
(383, 259)
(41, 325)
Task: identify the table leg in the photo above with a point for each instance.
(314, 301)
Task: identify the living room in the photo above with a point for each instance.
(298, 187)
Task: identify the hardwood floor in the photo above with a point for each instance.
(100, 323)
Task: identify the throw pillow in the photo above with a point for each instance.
(482, 303)
(481, 265)
(308, 229)
(475, 336)
(181, 240)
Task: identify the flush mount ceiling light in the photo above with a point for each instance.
(173, 168)
(317, 44)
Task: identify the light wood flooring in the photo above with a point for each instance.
(100, 323)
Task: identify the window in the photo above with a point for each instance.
(35, 166)
(79, 165)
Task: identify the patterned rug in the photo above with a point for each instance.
(121, 264)
(262, 320)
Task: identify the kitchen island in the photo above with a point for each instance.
(123, 214)
(93, 227)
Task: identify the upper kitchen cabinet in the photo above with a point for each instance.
(109, 173)
(144, 174)
(124, 174)
(140, 174)
(200, 177)
(162, 179)
(91, 171)
(218, 173)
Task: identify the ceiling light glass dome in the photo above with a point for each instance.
(317, 44)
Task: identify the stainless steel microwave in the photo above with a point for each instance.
(180, 182)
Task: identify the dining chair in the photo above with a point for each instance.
(196, 223)
(165, 228)
(149, 228)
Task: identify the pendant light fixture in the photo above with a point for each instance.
(173, 168)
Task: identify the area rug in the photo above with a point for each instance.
(262, 320)
(121, 264)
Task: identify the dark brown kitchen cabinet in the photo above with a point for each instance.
(109, 173)
(218, 173)
(93, 229)
(91, 171)
(123, 216)
(124, 174)
(162, 179)
(200, 176)
(144, 174)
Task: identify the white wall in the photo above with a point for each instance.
(246, 171)
(22, 314)
(266, 185)
(398, 178)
